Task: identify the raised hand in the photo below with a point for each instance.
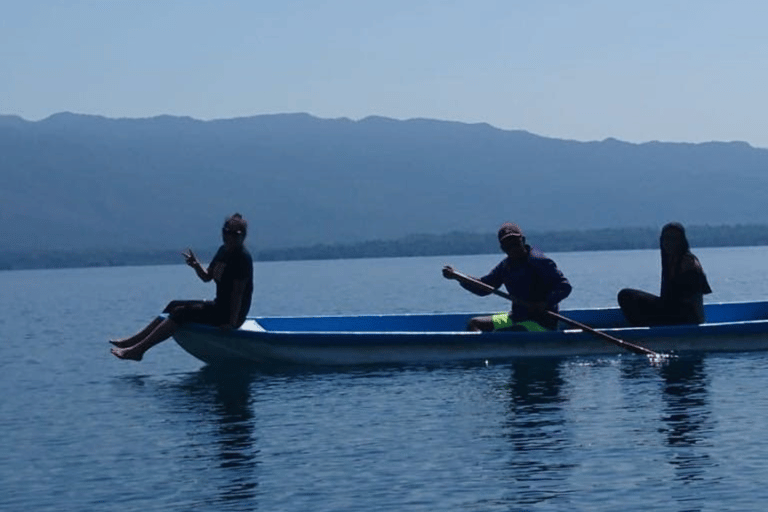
(190, 257)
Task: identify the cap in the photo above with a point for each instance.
(509, 229)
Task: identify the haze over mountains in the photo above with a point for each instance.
(80, 182)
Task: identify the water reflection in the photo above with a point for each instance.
(535, 384)
(223, 398)
(537, 431)
(686, 416)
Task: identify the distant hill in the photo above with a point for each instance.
(87, 182)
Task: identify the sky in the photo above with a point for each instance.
(667, 70)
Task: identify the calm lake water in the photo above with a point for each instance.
(81, 430)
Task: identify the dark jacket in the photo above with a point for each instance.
(536, 279)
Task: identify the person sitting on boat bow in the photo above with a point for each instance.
(683, 286)
(231, 269)
(529, 276)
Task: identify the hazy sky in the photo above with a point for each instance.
(579, 69)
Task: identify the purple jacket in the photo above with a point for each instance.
(537, 279)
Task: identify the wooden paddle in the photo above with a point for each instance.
(637, 349)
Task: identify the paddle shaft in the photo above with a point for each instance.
(637, 349)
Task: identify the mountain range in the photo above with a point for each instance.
(86, 182)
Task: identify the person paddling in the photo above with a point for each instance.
(529, 276)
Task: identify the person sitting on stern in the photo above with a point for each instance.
(683, 286)
(529, 276)
(231, 269)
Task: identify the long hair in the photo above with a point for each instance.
(686, 247)
(667, 258)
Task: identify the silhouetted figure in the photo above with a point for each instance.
(231, 269)
(529, 276)
(683, 286)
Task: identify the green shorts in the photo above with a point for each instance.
(503, 321)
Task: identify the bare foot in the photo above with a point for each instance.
(122, 343)
(126, 354)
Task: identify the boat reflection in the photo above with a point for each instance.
(224, 398)
(686, 417)
(537, 430)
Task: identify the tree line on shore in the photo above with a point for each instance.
(455, 243)
(458, 243)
